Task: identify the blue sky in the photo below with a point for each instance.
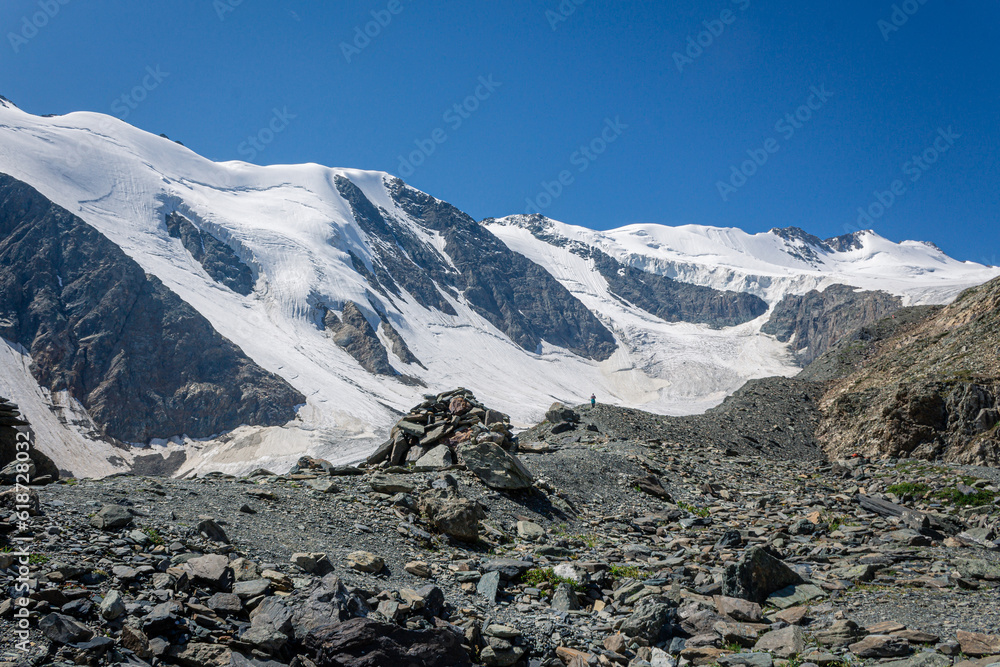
(643, 110)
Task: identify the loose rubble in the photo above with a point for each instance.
(743, 560)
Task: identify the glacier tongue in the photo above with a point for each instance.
(299, 237)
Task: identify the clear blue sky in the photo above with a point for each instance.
(560, 81)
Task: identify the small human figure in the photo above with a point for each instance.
(593, 401)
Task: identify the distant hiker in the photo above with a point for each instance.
(593, 401)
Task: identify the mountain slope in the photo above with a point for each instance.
(931, 391)
(816, 320)
(277, 259)
(143, 363)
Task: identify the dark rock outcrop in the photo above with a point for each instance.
(356, 336)
(517, 296)
(815, 321)
(361, 642)
(219, 260)
(403, 260)
(664, 297)
(756, 575)
(399, 346)
(849, 353)
(674, 301)
(140, 360)
(929, 390)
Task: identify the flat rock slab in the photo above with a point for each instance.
(361, 641)
(739, 610)
(978, 645)
(365, 561)
(783, 643)
(881, 646)
(747, 660)
(392, 484)
(921, 660)
(64, 630)
(794, 596)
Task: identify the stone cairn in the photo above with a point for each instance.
(10, 418)
(429, 435)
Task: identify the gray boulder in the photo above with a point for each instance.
(756, 575)
(111, 517)
(64, 630)
(452, 515)
(437, 458)
(559, 413)
(650, 620)
(361, 642)
(495, 467)
(565, 599)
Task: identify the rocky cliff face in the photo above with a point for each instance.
(219, 260)
(142, 361)
(516, 295)
(674, 301)
(815, 321)
(664, 297)
(851, 353)
(353, 333)
(931, 391)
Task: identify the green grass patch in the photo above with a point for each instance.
(697, 511)
(154, 536)
(546, 575)
(977, 499)
(909, 489)
(628, 572)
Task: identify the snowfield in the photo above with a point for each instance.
(292, 227)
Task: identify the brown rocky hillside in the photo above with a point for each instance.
(931, 391)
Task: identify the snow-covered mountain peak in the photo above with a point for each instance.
(363, 293)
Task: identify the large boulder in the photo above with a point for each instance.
(559, 413)
(495, 467)
(361, 642)
(651, 620)
(329, 601)
(756, 575)
(63, 629)
(452, 515)
(111, 517)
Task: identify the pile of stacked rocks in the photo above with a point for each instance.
(431, 433)
(41, 468)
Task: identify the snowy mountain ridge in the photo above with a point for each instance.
(769, 264)
(446, 302)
